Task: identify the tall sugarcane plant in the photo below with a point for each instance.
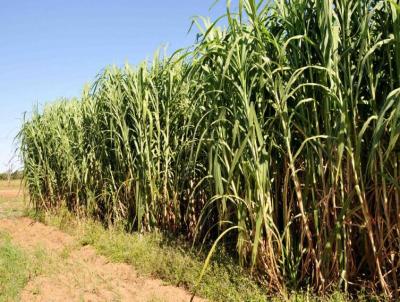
(279, 131)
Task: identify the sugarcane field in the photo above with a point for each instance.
(255, 158)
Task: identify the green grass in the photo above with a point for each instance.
(157, 255)
(171, 262)
(16, 268)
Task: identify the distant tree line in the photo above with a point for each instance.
(11, 175)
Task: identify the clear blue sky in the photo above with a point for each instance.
(51, 48)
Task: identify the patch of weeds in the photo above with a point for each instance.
(63, 219)
(16, 268)
(155, 255)
(66, 252)
(35, 215)
(172, 261)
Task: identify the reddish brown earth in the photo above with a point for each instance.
(6, 193)
(78, 273)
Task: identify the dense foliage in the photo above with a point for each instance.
(280, 132)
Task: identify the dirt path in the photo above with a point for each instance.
(78, 273)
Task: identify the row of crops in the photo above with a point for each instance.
(279, 134)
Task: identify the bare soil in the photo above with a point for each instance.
(6, 193)
(78, 273)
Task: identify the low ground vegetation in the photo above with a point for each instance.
(17, 267)
(157, 255)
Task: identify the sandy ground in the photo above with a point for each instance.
(79, 274)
